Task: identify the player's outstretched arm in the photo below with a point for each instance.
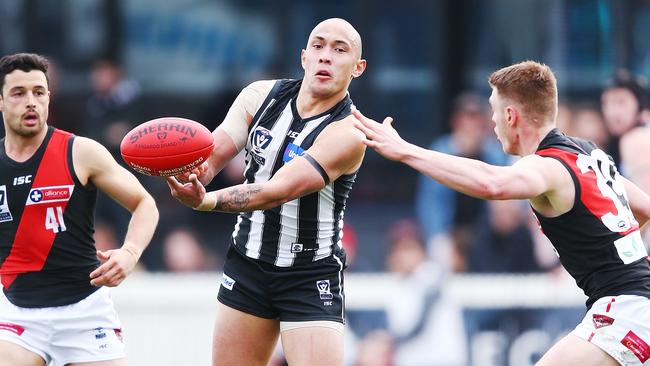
(532, 176)
(95, 165)
(337, 151)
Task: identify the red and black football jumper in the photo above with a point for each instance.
(598, 240)
(47, 249)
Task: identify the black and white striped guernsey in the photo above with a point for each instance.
(306, 229)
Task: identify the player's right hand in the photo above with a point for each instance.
(190, 194)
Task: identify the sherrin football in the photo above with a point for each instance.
(166, 146)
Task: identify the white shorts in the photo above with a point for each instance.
(620, 326)
(86, 331)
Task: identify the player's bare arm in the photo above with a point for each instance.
(532, 177)
(230, 136)
(95, 165)
(296, 179)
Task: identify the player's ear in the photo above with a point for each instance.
(511, 115)
(302, 59)
(359, 68)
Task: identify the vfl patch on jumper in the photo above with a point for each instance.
(637, 345)
(601, 320)
(5, 214)
(323, 287)
(291, 152)
(14, 328)
(261, 140)
(227, 282)
(49, 194)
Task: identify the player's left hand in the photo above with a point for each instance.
(118, 263)
(190, 194)
(382, 137)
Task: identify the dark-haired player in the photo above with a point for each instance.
(56, 306)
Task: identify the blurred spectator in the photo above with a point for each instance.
(183, 252)
(588, 123)
(635, 155)
(111, 111)
(503, 242)
(444, 214)
(564, 116)
(376, 349)
(112, 107)
(428, 328)
(623, 100)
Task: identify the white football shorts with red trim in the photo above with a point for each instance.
(87, 331)
(620, 326)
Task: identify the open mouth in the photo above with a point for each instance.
(31, 117)
(323, 74)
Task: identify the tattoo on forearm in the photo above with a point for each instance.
(236, 199)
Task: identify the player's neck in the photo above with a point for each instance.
(309, 105)
(530, 143)
(21, 148)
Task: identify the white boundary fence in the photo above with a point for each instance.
(168, 318)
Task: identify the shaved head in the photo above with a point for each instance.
(341, 27)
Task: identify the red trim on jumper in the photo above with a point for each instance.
(33, 241)
(590, 194)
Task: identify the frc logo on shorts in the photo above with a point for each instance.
(323, 287)
(227, 282)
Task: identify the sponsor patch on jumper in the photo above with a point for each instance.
(291, 152)
(5, 214)
(630, 248)
(227, 282)
(41, 195)
(601, 320)
(637, 345)
(323, 287)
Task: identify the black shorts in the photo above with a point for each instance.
(299, 293)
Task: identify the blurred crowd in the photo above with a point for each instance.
(446, 233)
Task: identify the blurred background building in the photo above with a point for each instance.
(117, 63)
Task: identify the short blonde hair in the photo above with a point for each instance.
(530, 84)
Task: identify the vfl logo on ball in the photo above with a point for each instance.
(261, 140)
(323, 287)
(161, 135)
